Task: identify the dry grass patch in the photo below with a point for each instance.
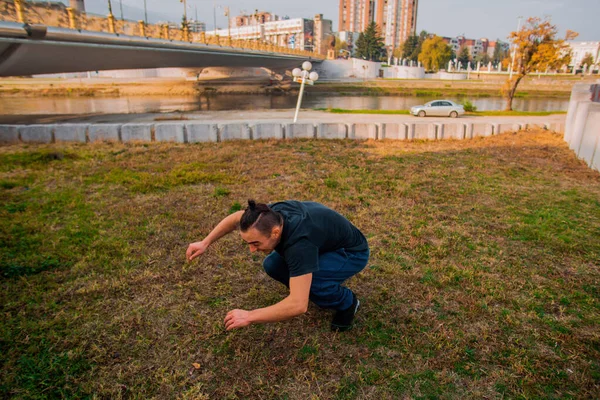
(483, 281)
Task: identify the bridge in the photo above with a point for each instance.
(32, 49)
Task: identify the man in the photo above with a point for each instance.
(311, 249)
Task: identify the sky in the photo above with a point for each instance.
(493, 19)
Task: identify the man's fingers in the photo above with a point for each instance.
(195, 254)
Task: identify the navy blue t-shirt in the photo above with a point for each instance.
(310, 229)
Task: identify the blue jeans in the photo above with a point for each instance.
(334, 268)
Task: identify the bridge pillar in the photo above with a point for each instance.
(111, 23)
(142, 26)
(203, 37)
(186, 34)
(72, 20)
(165, 31)
(19, 10)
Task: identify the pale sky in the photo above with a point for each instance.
(475, 19)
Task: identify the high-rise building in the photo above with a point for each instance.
(397, 20)
(356, 15)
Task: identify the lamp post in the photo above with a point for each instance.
(145, 13)
(514, 51)
(302, 76)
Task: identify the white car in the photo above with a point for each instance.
(438, 108)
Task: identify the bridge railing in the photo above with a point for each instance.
(58, 15)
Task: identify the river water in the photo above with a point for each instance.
(129, 105)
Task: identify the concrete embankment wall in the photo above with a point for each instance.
(582, 130)
(195, 132)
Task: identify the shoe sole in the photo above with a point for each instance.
(343, 328)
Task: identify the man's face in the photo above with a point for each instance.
(260, 242)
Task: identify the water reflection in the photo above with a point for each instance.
(128, 105)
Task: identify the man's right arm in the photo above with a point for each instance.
(227, 225)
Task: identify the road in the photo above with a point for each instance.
(279, 116)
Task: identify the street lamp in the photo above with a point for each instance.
(302, 76)
(512, 63)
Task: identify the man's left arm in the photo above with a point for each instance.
(295, 304)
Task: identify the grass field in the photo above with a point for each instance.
(484, 279)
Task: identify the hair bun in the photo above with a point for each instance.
(252, 205)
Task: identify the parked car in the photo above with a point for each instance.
(438, 108)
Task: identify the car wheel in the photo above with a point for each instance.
(421, 114)
(453, 114)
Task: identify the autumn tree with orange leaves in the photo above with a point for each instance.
(537, 49)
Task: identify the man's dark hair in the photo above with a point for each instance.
(261, 217)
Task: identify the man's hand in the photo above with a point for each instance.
(195, 249)
(237, 319)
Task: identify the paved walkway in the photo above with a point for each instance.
(281, 116)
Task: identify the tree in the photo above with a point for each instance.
(500, 52)
(435, 54)
(464, 56)
(409, 46)
(397, 53)
(536, 49)
(587, 60)
(370, 44)
(339, 46)
(483, 58)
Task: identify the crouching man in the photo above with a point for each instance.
(311, 249)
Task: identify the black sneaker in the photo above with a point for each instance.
(342, 320)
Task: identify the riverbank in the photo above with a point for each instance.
(549, 87)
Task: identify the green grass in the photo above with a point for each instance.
(483, 280)
(477, 113)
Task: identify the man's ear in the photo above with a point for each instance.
(276, 232)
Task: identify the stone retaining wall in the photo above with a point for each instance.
(582, 131)
(194, 132)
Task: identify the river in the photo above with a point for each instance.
(128, 105)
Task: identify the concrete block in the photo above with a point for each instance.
(300, 131)
(393, 131)
(332, 131)
(197, 133)
(481, 129)
(579, 126)
(9, 134)
(421, 131)
(590, 138)
(503, 128)
(267, 131)
(104, 132)
(70, 132)
(234, 132)
(451, 131)
(363, 131)
(557, 127)
(136, 132)
(169, 132)
(37, 133)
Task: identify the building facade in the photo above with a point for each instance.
(296, 33)
(356, 15)
(259, 17)
(397, 20)
(579, 50)
(476, 47)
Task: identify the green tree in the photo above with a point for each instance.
(483, 58)
(370, 45)
(588, 59)
(499, 52)
(339, 46)
(409, 46)
(435, 53)
(536, 49)
(464, 56)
